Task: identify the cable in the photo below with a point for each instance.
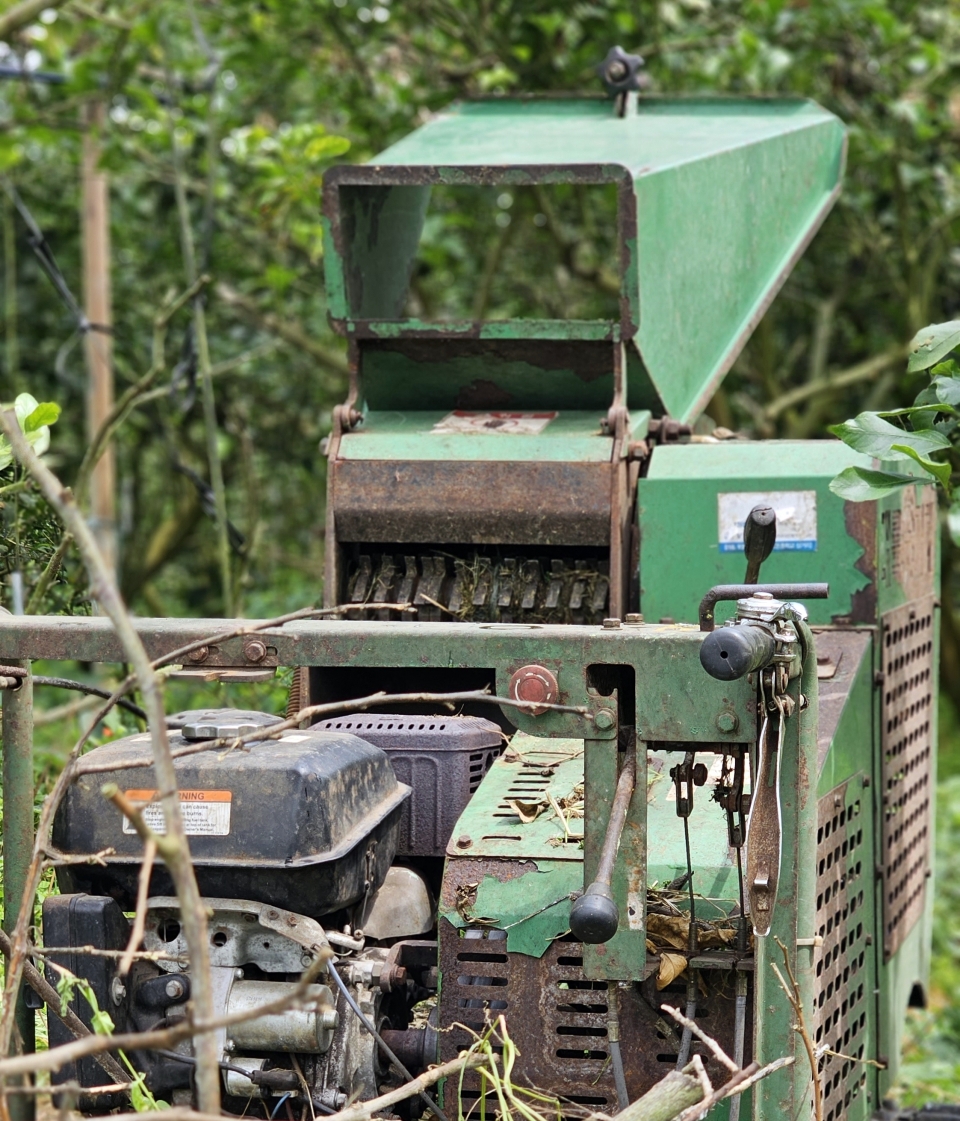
(191, 1061)
(283, 1098)
(91, 690)
(348, 997)
(613, 1036)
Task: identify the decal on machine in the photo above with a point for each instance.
(796, 519)
(522, 424)
(206, 813)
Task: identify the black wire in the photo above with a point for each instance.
(91, 690)
(348, 997)
(191, 1061)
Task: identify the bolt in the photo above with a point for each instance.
(616, 71)
(200, 654)
(464, 842)
(763, 595)
(329, 1019)
(273, 914)
(292, 920)
(866, 781)
(174, 988)
(604, 719)
(238, 974)
(727, 722)
(611, 624)
(632, 619)
(118, 990)
(254, 650)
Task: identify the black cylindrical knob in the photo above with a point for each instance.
(594, 917)
(732, 652)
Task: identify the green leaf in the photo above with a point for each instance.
(953, 522)
(940, 471)
(857, 484)
(931, 344)
(45, 413)
(871, 434)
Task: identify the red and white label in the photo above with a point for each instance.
(206, 813)
(523, 424)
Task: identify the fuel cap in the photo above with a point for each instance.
(219, 723)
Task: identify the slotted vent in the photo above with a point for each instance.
(840, 987)
(907, 636)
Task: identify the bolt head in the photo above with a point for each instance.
(329, 1019)
(604, 719)
(199, 655)
(727, 722)
(254, 650)
(464, 842)
(174, 988)
(611, 624)
(633, 619)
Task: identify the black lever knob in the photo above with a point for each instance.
(759, 538)
(594, 917)
(733, 652)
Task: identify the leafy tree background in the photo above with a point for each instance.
(258, 98)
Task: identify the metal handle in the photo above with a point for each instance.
(595, 917)
(733, 652)
(725, 592)
(759, 538)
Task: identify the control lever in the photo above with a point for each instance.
(726, 592)
(764, 841)
(759, 538)
(595, 917)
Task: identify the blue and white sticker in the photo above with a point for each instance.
(796, 519)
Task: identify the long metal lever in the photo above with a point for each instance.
(595, 917)
(759, 538)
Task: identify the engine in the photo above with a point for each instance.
(301, 844)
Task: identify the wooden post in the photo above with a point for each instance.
(95, 221)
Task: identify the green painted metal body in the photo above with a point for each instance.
(717, 200)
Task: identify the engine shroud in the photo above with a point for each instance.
(308, 822)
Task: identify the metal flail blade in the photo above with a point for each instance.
(765, 826)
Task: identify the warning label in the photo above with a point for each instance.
(796, 519)
(206, 813)
(523, 424)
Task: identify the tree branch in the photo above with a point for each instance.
(103, 587)
(23, 14)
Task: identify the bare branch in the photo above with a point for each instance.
(140, 915)
(718, 1052)
(175, 849)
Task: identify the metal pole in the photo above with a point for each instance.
(18, 843)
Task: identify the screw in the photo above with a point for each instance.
(174, 988)
(464, 842)
(254, 650)
(199, 655)
(292, 920)
(604, 719)
(611, 624)
(273, 914)
(727, 722)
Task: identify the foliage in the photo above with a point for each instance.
(262, 98)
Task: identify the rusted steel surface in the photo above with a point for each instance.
(558, 1019)
(485, 503)
(907, 715)
(860, 519)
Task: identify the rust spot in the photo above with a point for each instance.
(482, 394)
(860, 519)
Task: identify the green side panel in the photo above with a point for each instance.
(717, 238)
(381, 227)
(436, 374)
(570, 437)
(679, 508)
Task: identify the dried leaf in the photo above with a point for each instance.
(526, 811)
(668, 931)
(671, 966)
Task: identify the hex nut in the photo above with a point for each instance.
(604, 719)
(611, 624)
(254, 650)
(199, 655)
(727, 722)
(464, 842)
(174, 988)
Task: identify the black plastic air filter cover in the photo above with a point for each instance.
(290, 822)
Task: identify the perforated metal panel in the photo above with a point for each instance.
(907, 741)
(842, 991)
(558, 1019)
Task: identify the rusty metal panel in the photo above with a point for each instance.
(843, 986)
(482, 503)
(558, 1018)
(907, 649)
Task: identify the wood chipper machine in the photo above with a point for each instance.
(699, 778)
